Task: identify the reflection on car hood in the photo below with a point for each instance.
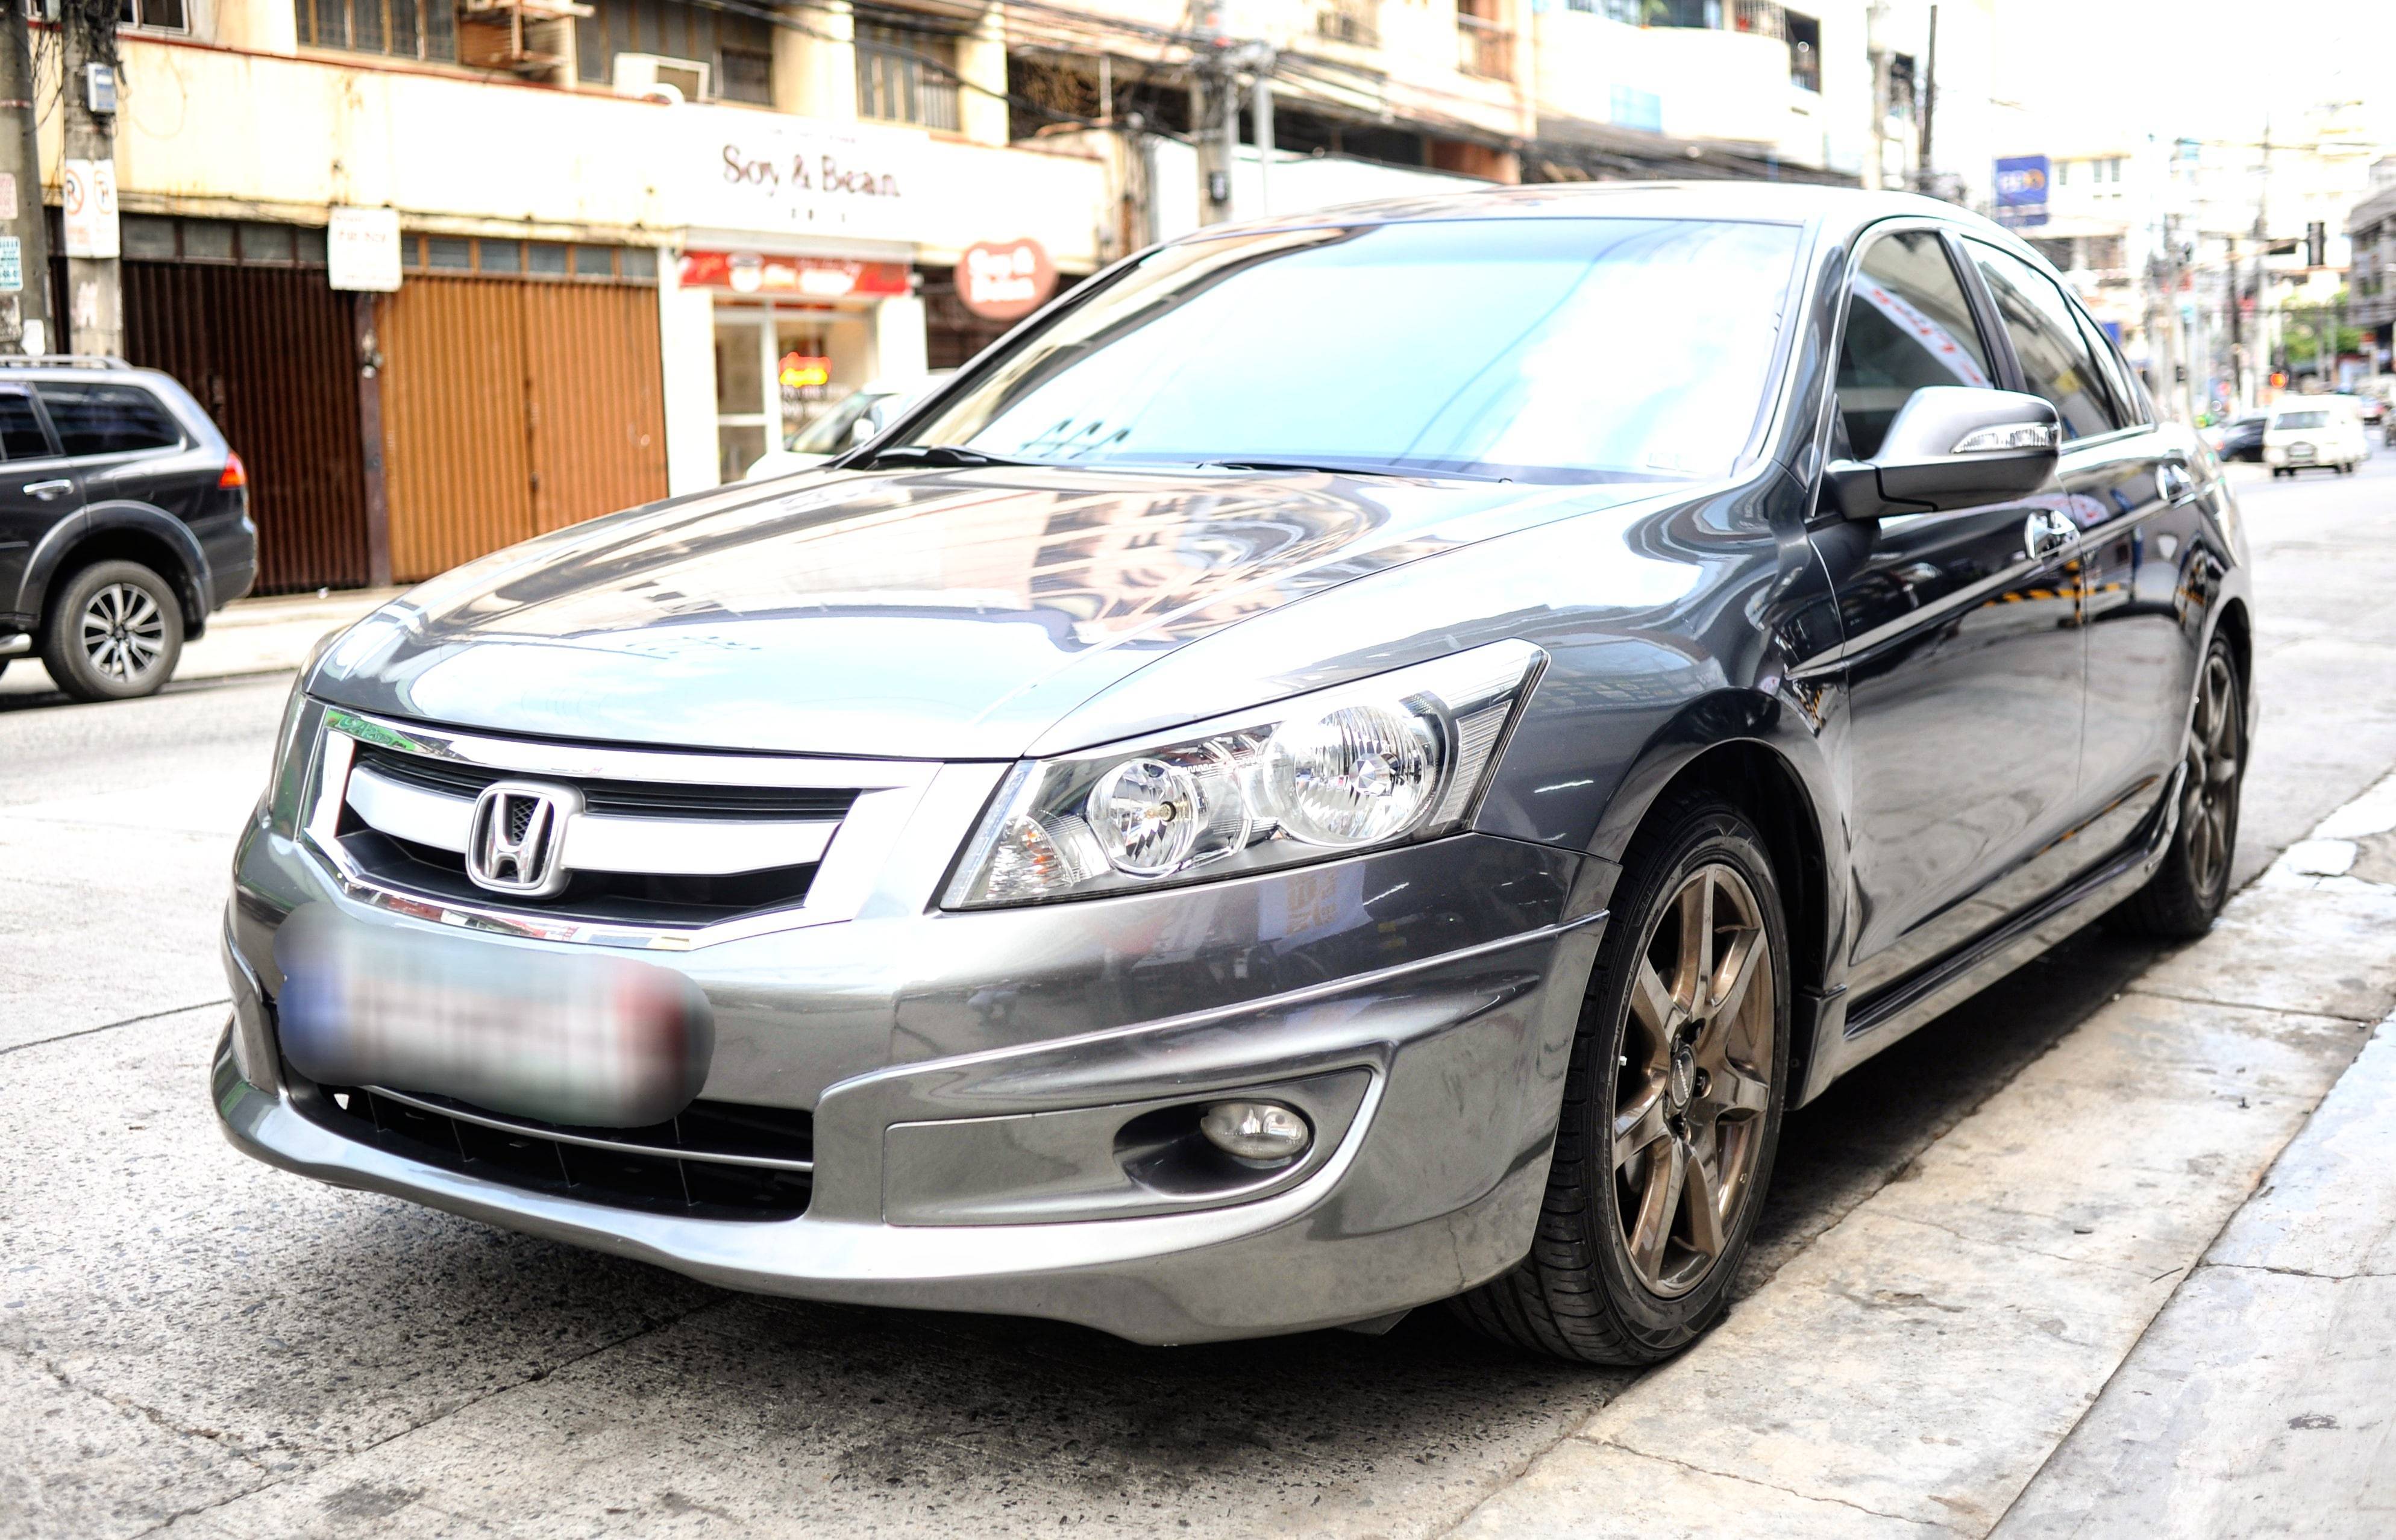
(923, 614)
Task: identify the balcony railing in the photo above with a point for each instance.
(1764, 17)
(1356, 21)
(1483, 47)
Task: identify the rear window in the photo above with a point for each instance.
(108, 420)
(20, 429)
(2302, 419)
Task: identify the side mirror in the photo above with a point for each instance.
(863, 428)
(1952, 447)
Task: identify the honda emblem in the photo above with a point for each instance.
(516, 841)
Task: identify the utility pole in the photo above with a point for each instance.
(24, 235)
(1261, 57)
(1876, 51)
(1922, 179)
(95, 301)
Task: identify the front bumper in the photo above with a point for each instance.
(1430, 1181)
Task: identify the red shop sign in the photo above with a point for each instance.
(800, 277)
(1004, 280)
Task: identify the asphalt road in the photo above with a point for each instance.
(188, 1337)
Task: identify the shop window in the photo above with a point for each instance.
(545, 259)
(445, 254)
(737, 49)
(154, 238)
(498, 257)
(207, 241)
(906, 74)
(403, 29)
(143, 238)
(594, 262)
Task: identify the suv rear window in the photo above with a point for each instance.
(108, 420)
(21, 428)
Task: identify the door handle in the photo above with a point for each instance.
(2045, 532)
(46, 490)
(2173, 482)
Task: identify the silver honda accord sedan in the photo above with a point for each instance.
(1348, 763)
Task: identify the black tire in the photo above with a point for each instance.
(114, 632)
(1581, 1294)
(2181, 900)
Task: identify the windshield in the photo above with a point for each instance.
(2302, 419)
(1531, 348)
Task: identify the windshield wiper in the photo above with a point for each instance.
(1300, 465)
(940, 455)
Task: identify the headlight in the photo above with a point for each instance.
(1400, 757)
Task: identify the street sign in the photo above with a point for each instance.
(89, 201)
(2021, 189)
(362, 249)
(12, 265)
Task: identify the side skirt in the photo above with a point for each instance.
(1845, 1037)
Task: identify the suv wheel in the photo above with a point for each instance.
(114, 632)
(1672, 1108)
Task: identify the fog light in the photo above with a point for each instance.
(1255, 1131)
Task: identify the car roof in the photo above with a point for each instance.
(1839, 209)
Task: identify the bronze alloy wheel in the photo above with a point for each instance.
(2209, 800)
(1672, 1103)
(1694, 1080)
(2179, 901)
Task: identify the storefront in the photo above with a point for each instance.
(792, 335)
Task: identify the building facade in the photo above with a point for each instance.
(640, 241)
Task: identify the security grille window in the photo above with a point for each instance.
(2055, 359)
(739, 49)
(108, 420)
(1908, 326)
(906, 74)
(1805, 52)
(403, 29)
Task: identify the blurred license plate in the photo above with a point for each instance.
(593, 1041)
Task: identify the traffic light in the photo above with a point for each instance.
(2316, 245)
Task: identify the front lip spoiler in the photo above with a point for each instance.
(1190, 1275)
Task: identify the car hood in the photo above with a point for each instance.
(952, 614)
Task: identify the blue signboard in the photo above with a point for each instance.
(2021, 189)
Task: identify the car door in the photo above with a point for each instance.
(39, 495)
(2131, 488)
(1962, 654)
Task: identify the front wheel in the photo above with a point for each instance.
(2181, 900)
(1671, 1107)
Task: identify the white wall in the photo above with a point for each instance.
(1294, 184)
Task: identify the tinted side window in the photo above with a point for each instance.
(1908, 325)
(2129, 402)
(108, 420)
(20, 429)
(2056, 362)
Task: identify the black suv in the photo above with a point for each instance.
(124, 523)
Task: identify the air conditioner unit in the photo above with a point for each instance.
(656, 77)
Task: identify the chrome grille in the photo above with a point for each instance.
(660, 848)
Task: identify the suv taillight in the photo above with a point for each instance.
(235, 475)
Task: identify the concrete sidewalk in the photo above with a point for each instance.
(2077, 1305)
(248, 636)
